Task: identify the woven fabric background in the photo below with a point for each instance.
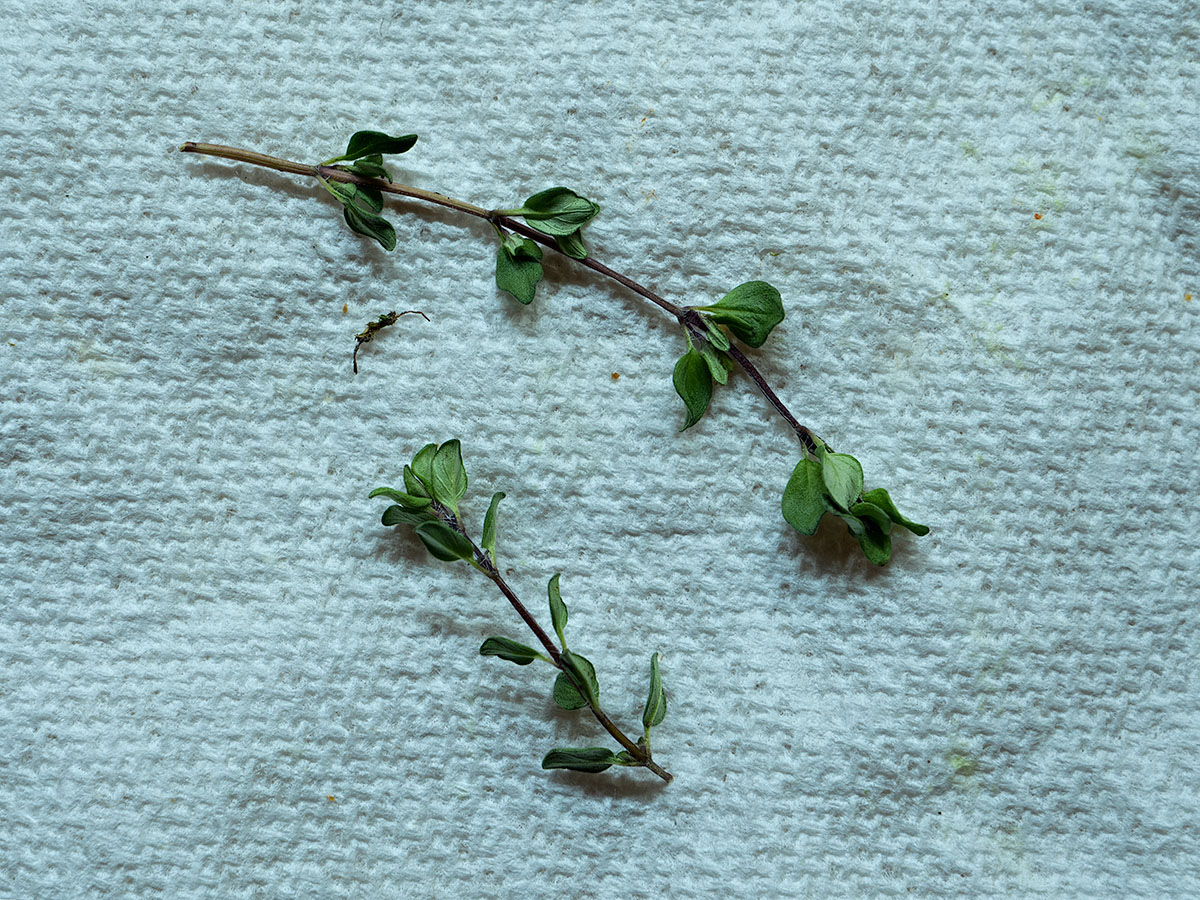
(221, 676)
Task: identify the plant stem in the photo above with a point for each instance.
(643, 756)
(331, 174)
(484, 564)
(682, 314)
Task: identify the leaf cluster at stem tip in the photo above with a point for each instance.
(434, 482)
(832, 483)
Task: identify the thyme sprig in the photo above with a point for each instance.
(434, 483)
(822, 483)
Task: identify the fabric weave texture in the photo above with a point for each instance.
(221, 676)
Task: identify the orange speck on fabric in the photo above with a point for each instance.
(329, 798)
(616, 375)
(1037, 215)
(345, 308)
(1187, 297)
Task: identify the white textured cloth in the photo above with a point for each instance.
(220, 676)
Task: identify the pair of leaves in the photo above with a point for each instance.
(750, 311)
(442, 541)
(559, 213)
(833, 483)
(518, 653)
(362, 205)
(576, 686)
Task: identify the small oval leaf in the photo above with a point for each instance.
(557, 211)
(422, 466)
(716, 367)
(368, 143)
(518, 275)
(870, 511)
(693, 384)
(558, 610)
(408, 500)
(566, 695)
(656, 702)
(804, 500)
(449, 475)
(875, 543)
(398, 515)
(443, 541)
(580, 759)
(571, 245)
(585, 674)
(508, 649)
(414, 486)
(843, 477)
(750, 310)
(488, 541)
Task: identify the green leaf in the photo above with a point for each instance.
(443, 541)
(854, 524)
(361, 208)
(804, 501)
(408, 500)
(566, 694)
(371, 143)
(876, 544)
(558, 610)
(557, 211)
(414, 486)
(580, 759)
(584, 672)
(518, 269)
(716, 336)
(843, 477)
(369, 167)
(872, 512)
(372, 226)
(488, 541)
(880, 498)
(449, 475)
(398, 515)
(572, 245)
(422, 467)
(693, 383)
(510, 650)
(751, 311)
(716, 366)
(656, 702)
